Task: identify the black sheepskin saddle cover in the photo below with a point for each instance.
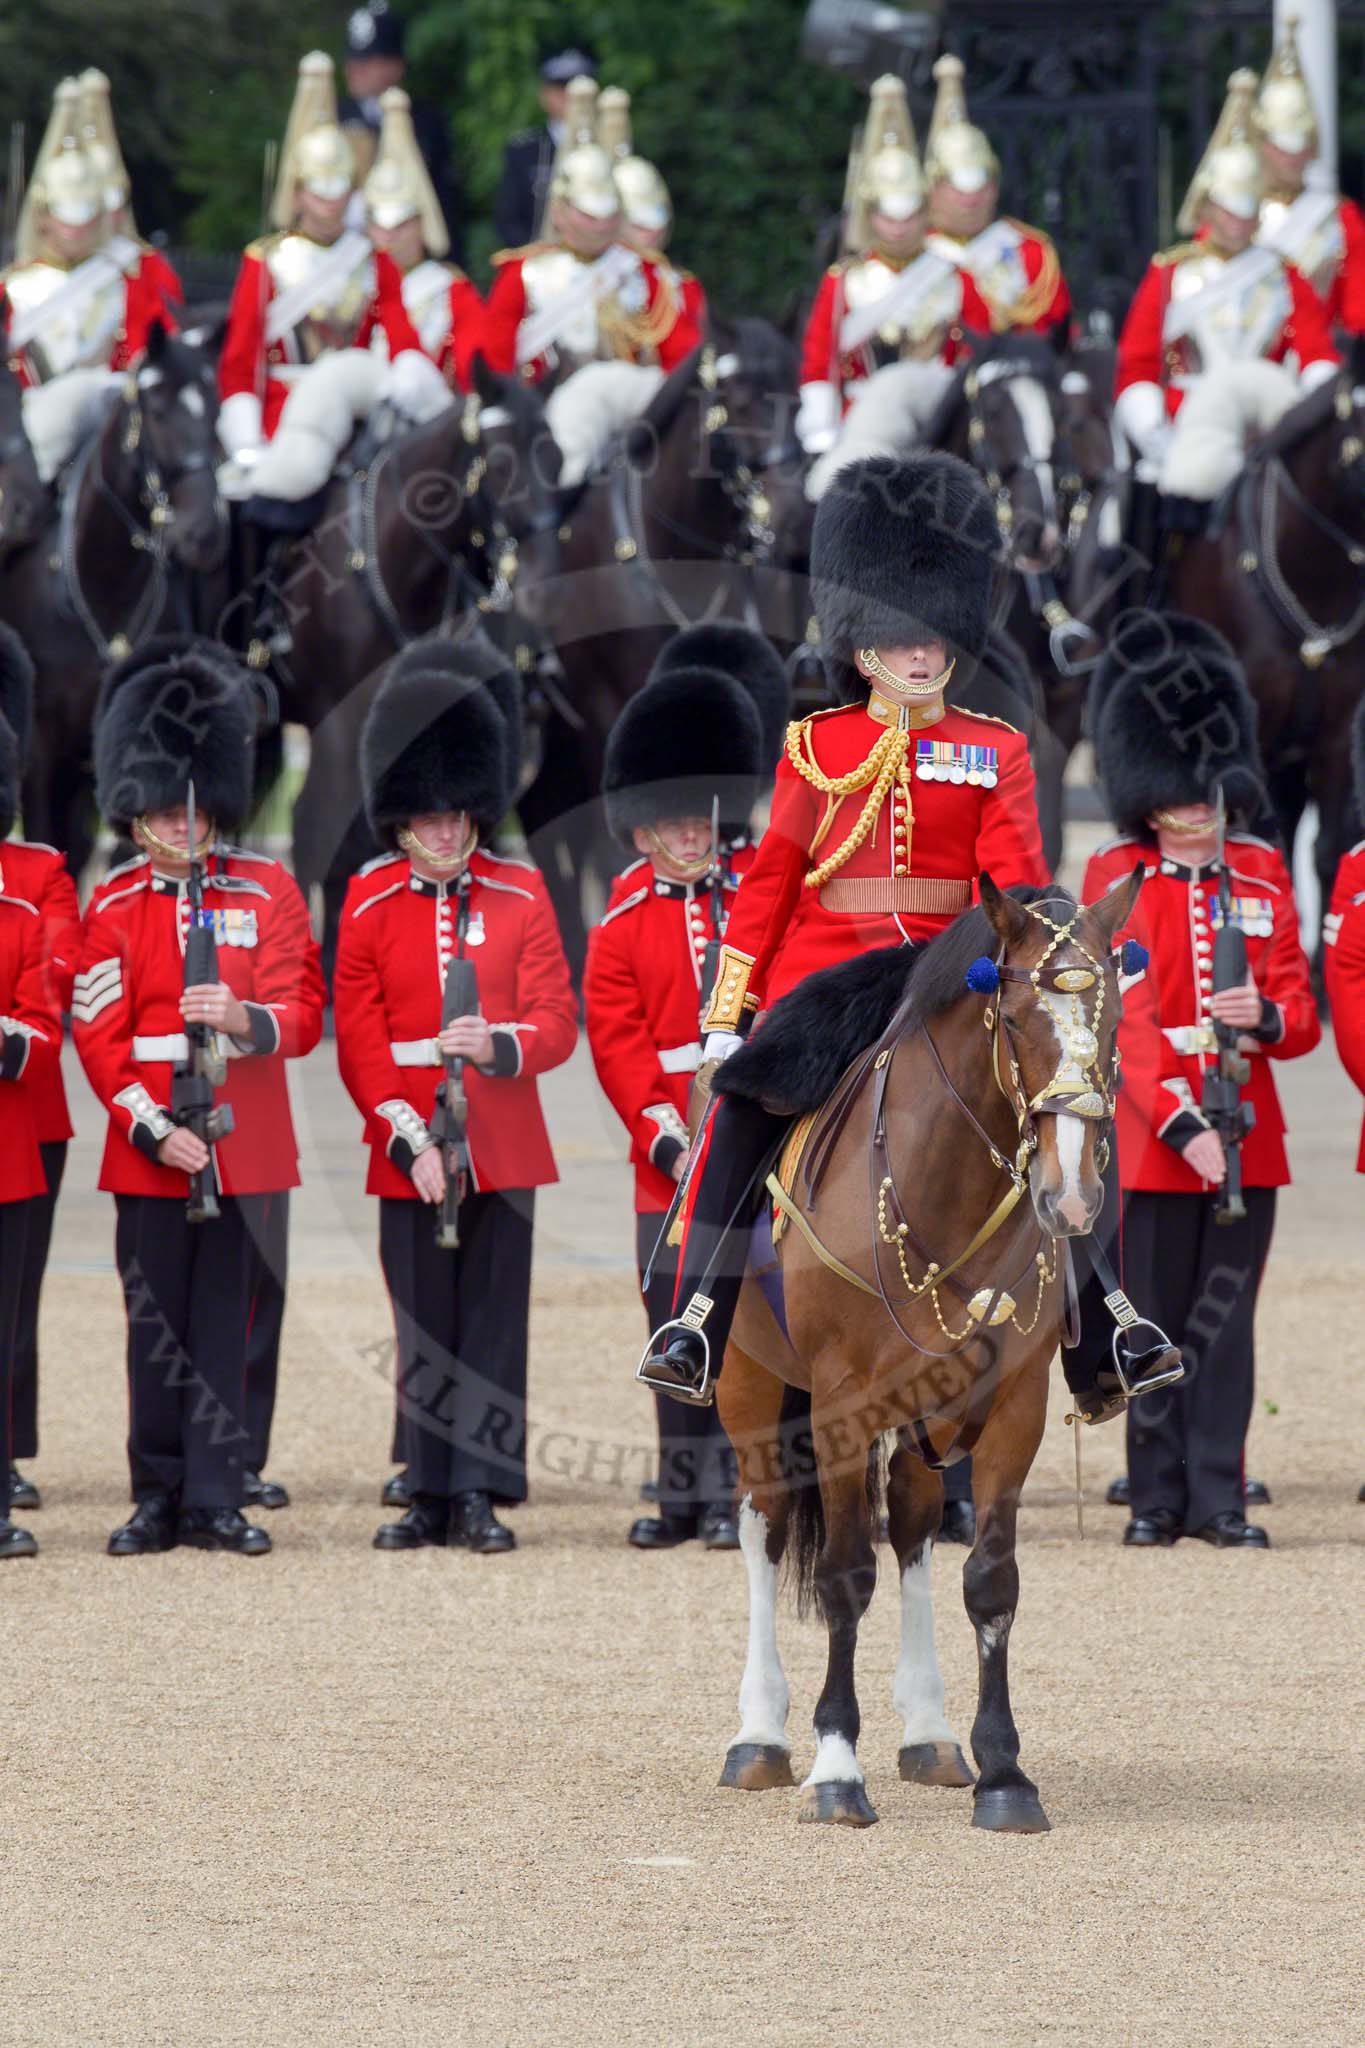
(795, 1059)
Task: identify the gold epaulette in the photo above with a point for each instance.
(800, 724)
(501, 256)
(989, 717)
(263, 244)
(1176, 254)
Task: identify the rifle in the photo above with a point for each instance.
(715, 877)
(1223, 1084)
(460, 998)
(194, 1079)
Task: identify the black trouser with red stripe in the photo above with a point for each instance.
(15, 1218)
(42, 1210)
(696, 1464)
(269, 1273)
(185, 1286)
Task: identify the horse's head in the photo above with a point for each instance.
(1348, 423)
(1053, 1016)
(1084, 458)
(1009, 393)
(168, 428)
(745, 380)
(504, 424)
(24, 503)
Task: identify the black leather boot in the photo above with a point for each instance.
(474, 1526)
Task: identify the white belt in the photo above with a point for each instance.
(1189, 1039)
(173, 1046)
(680, 1059)
(287, 373)
(415, 1052)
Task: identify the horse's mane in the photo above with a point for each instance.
(1305, 417)
(940, 978)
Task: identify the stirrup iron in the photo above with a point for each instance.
(696, 1397)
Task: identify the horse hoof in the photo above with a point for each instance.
(935, 1763)
(841, 1801)
(757, 1767)
(1010, 1810)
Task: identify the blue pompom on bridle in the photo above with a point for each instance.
(983, 976)
(1133, 957)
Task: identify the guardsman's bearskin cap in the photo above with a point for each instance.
(16, 719)
(176, 710)
(1172, 718)
(443, 734)
(690, 737)
(903, 551)
(749, 659)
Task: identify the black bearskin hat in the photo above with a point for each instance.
(177, 710)
(690, 736)
(16, 718)
(1171, 718)
(443, 734)
(750, 660)
(902, 551)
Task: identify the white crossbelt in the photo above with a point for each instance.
(172, 1046)
(912, 287)
(594, 282)
(344, 257)
(680, 1059)
(1188, 1039)
(415, 1052)
(69, 301)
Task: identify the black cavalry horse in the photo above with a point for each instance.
(135, 544)
(25, 506)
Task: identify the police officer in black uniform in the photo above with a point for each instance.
(374, 62)
(528, 157)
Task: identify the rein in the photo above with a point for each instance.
(1263, 483)
(148, 539)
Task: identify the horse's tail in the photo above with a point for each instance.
(806, 1518)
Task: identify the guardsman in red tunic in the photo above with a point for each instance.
(313, 288)
(1173, 721)
(82, 291)
(1015, 267)
(1317, 231)
(885, 812)
(30, 1044)
(439, 757)
(38, 875)
(891, 299)
(404, 219)
(176, 714)
(694, 738)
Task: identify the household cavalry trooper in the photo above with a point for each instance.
(889, 299)
(174, 714)
(82, 291)
(439, 756)
(682, 774)
(646, 203)
(885, 811)
(36, 875)
(313, 292)
(1317, 231)
(1015, 267)
(404, 220)
(1174, 724)
(30, 1044)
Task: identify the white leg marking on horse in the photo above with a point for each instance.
(1035, 417)
(763, 1695)
(917, 1691)
(835, 1762)
(994, 1633)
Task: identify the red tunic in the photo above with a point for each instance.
(39, 874)
(30, 1042)
(821, 361)
(506, 307)
(1165, 1039)
(1345, 302)
(1145, 357)
(397, 934)
(128, 1029)
(147, 296)
(929, 844)
(1344, 960)
(461, 344)
(641, 1001)
(244, 364)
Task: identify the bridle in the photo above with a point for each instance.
(1078, 1087)
(1268, 480)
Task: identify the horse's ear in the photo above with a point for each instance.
(1008, 919)
(1113, 911)
(487, 383)
(156, 342)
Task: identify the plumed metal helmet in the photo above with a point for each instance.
(1172, 718)
(16, 720)
(692, 735)
(443, 734)
(749, 659)
(903, 551)
(176, 710)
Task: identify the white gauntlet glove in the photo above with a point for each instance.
(719, 1046)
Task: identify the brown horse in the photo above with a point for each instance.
(921, 1292)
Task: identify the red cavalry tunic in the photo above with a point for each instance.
(961, 311)
(39, 875)
(30, 1041)
(1145, 356)
(968, 804)
(396, 938)
(662, 330)
(151, 290)
(247, 357)
(1166, 1037)
(129, 1032)
(1018, 272)
(1344, 961)
(1345, 302)
(641, 1001)
(461, 344)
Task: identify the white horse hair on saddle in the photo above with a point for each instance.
(59, 417)
(593, 404)
(326, 405)
(889, 415)
(1225, 411)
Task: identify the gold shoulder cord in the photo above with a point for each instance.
(1028, 309)
(883, 766)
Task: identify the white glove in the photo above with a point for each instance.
(719, 1045)
(239, 427)
(415, 387)
(817, 417)
(1141, 411)
(1313, 374)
